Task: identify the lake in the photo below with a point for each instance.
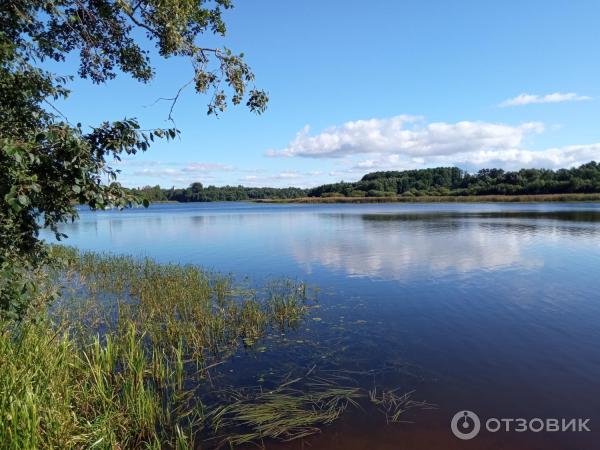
(492, 308)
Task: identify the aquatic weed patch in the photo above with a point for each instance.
(129, 355)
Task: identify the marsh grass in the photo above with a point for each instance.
(206, 314)
(300, 408)
(125, 358)
(283, 413)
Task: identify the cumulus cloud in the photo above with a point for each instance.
(409, 142)
(557, 97)
(509, 159)
(349, 150)
(406, 135)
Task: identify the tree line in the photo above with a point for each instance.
(196, 192)
(439, 181)
(454, 181)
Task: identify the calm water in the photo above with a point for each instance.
(493, 308)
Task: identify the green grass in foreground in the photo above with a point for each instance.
(445, 199)
(123, 357)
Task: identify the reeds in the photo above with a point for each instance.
(443, 199)
(123, 359)
(55, 394)
(207, 314)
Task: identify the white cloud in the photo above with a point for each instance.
(553, 158)
(358, 147)
(408, 142)
(141, 172)
(136, 172)
(557, 97)
(406, 135)
(155, 169)
(282, 179)
(509, 159)
(206, 167)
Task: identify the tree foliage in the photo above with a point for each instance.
(197, 193)
(48, 164)
(423, 182)
(454, 181)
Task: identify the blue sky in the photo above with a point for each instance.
(382, 85)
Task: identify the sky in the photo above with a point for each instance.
(359, 86)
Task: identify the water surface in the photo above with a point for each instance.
(493, 308)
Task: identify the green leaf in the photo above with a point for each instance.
(23, 199)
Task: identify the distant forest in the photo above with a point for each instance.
(441, 181)
(196, 192)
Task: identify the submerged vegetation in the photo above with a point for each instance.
(285, 413)
(206, 313)
(128, 353)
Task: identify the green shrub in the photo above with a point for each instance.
(357, 193)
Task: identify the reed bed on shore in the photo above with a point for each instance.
(205, 314)
(123, 357)
(118, 359)
(444, 199)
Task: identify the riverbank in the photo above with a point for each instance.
(445, 199)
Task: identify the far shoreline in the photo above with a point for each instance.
(530, 198)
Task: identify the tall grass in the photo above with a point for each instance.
(123, 359)
(118, 359)
(206, 314)
(55, 394)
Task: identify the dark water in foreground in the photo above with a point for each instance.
(494, 308)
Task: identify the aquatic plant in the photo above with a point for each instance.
(394, 405)
(286, 412)
(126, 357)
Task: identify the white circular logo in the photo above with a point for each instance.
(465, 425)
